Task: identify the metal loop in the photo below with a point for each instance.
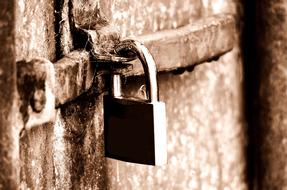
(147, 61)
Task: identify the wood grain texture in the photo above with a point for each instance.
(9, 146)
(206, 132)
(271, 95)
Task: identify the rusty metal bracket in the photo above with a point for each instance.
(190, 45)
(185, 46)
(44, 86)
(35, 84)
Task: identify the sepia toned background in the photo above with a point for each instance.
(225, 99)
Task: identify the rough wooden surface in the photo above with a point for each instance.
(36, 154)
(204, 127)
(35, 32)
(9, 142)
(271, 120)
(78, 157)
(68, 154)
(35, 38)
(132, 17)
(63, 27)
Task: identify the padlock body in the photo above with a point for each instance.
(135, 131)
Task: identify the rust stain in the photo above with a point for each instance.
(29, 80)
(35, 84)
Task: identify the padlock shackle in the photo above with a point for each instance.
(148, 64)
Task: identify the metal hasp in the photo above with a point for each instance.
(189, 45)
(43, 86)
(35, 84)
(74, 74)
(135, 130)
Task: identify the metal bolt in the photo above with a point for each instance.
(38, 100)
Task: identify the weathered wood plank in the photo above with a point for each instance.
(9, 142)
(133, 17)
(35, 31)
(268, 75)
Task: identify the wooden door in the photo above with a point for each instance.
(196, 48)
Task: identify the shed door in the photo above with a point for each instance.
(51, 46)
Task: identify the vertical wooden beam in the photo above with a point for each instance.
(9, 155)
(272, 93)
(63, 25)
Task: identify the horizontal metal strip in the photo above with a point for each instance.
(189, 45)
(43, 85)
(74, 75)
(171, 49)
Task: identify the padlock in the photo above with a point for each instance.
(134, 129)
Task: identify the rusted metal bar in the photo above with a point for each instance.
(74, 75)
(9, 142)
(42, 85)
(191, 44)
(172, 49)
